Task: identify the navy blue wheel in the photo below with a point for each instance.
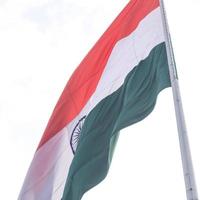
(76, 134)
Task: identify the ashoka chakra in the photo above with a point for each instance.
(76, 134)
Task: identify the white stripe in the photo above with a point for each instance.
(48, 172)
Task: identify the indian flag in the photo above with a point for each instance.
(115, 85)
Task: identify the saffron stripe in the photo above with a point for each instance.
(85, 79)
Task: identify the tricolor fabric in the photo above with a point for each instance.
(115, 85)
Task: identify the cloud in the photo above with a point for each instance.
(51, 14)
(2, 2)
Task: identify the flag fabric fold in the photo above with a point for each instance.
(115, 85)
(132, 102)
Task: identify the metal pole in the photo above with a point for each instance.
(191, 189)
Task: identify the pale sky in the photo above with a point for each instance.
(41, 43)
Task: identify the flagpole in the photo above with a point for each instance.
(191, 189)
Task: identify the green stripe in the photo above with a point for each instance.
(132, 102)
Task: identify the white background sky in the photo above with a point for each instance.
(41, 43)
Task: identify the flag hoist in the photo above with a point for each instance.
(190, 183)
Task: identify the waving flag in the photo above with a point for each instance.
(115, 85)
